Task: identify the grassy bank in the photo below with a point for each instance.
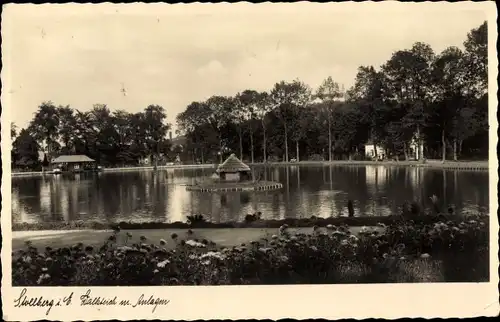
(291, 222)
(403, 252)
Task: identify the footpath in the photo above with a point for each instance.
(226, 237)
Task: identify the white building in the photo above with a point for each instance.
(413, 150)
(370, 151)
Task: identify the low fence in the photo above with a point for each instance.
(122, 169)
(183, 166)
(435, 164)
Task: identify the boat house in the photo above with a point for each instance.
(233, 170)
(74, 163)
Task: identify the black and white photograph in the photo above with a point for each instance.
(157, 147)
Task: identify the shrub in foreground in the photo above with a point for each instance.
(406, 252)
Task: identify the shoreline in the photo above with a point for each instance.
(434, 164)
(123, 169)
(291, 222)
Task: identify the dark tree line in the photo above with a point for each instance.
(111, 138)
(434, 102)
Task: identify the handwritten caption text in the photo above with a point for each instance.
(86, 299)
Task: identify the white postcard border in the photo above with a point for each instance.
(264, 302)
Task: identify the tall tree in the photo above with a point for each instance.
(328, 92)
(156, 129)
(219, 108)
(369, 92)
(246, 111)
(286, 97)
(122, 122)
(106, 138)
(239, 116)
(408, 75)
(67, 124)
(263, 106)
(25, 151)
(197, 125)
(85, 134)
(44, 127)
(476, 58)
(139, 146)
(450, 90)
(302, 121)
(346, 128)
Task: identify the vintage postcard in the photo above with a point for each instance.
(209, 161)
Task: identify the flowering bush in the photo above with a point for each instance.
(403, 252)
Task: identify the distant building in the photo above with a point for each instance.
(145, 161)
(178, 140)
(413, 150)
(370, 151)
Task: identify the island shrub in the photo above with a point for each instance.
(196, 219)
(403, 252)
(253, 217)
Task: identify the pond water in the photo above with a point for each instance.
(322, 191)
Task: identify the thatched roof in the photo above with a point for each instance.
(232, 164)
(72, 158)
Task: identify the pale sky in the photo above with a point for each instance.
(79, 55)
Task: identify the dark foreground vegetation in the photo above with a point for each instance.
(407, 251)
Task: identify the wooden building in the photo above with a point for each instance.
(74, 163)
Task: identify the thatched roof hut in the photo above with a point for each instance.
(234, 170)
(232, 165)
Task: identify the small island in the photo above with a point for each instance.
(233, 175)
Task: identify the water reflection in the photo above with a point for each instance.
(321, 191)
